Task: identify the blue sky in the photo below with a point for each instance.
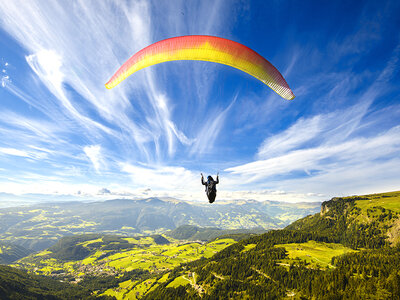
(63, 134)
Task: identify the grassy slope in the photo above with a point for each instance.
(174, 255)
(368, 210)
(143, 253)
(386, 200)
(315, 254)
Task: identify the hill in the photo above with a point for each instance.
(75, 257)
(40, 226)
(369, 221)
(17, 284)
(195, 233)
(344, 251)
(261, 268)
(316, 257)
(10, 253)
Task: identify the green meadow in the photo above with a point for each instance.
(387, 200)
(159, 259)
(316, 254)
(141, 253)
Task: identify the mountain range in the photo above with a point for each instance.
(349, 249)
(37, 227)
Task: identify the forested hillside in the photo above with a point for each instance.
(345, 251)
(17, 284)
(193, 233)
(10, 252)
(369, 221)
(258, 268)
(349, 250)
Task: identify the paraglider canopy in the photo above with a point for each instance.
(206, 48)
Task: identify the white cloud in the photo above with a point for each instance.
(138, 108)
(5, 79)
(302, 132)
(326, 167)
(38, 128)
(14, 152)
(207, 134)
(161, 177)
(48, 64)
(104, 191)
(94, 153)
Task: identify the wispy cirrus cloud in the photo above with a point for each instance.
(108, 32)
(326, 148)
(72, 49)
(320, 157)
(160, 126)
(208, 134)
(94, 153)
(325, 156)
(14, 152)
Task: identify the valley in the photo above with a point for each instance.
(350, 247)
(40, 226)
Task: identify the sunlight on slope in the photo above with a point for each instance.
(315, 253)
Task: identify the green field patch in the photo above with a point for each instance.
(213, 247)
(387, 200)
(122, 291)
(164, 278)
(127, 284)
(127, 228)
(248, 247)
(154, 258)
(140, 289)
(131, 240)
(86, 243)
(315, 253)
(221, 242)
(92, 258)
(146, 241)
(178, 282)
(119, 295)
(43, 253)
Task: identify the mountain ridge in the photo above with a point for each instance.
(264, 267)
(344, 218)
(39, 226)
(341, 251)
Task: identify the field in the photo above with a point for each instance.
(316, 254)
(160, 258)
(387, 200)
(164, 257)
(109, 258)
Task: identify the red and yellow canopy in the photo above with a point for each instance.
(206, 48)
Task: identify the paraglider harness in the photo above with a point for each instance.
(211, 188)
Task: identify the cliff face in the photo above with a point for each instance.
(336, 207)
(324, 209)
